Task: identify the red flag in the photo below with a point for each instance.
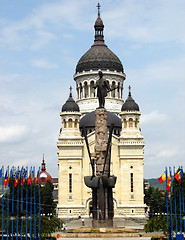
(179, 176)
(162, 178)
(169, 182)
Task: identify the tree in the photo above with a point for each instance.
(48, 223)
(155, 200)
(48, 206)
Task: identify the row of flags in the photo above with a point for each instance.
(174, 215)
(15, 211)
(20, 174)
(178, 176)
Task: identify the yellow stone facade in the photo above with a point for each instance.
(74, 198)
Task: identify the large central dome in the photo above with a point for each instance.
(99, 56)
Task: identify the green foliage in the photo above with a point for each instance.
(156, 223)
(49, 225)
(49, 222)
(155, 200)
(48, 206)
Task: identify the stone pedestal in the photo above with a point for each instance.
(102, 183)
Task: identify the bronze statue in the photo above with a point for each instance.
(103, 87)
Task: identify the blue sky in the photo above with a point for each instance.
(40, 45)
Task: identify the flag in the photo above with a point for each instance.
(162, 178)
(30, 178)
(24, 178)
(179, 176)
(16, 179)
(9, 176)
(169, 182)
(5, 178)
(37, 177)
(1, 173)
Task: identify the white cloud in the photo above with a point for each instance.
(12, 133)
(43, 63)
(153, 117)
(146, 22)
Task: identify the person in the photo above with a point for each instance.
(103, 87)
(83, 223)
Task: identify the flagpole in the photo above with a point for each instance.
(8, 209)
(17, 206)
(2, 171)
(175, 201)
(183, 197)
(39, 204)
(171, 204)
(180, 207)
(31, 207)
(21, 204)
(26, 203)
(12, 203)
(167, 205)
(34, 206)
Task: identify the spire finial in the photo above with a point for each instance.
(43, 165)
(70, 91)
(129, 90)
(98, 6)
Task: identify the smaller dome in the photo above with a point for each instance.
(130, 104)
(98, 24)
(89, 120)
(44, 176)
(70, 105)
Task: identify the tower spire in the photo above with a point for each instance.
(99, 27)
(43, 165)
(70, 94)
(98, 7)
(129, 91)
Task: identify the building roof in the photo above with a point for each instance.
(130, 104)
(99, 56)
(88, 121)
(70, 105)
(44, 175)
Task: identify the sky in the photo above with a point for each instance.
(40, 45)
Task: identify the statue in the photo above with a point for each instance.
(103, 87)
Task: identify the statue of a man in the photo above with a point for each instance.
(102, 86)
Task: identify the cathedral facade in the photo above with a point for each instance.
(74, 198)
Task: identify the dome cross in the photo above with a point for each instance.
(98, 7)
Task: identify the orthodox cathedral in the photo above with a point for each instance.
(74, 197)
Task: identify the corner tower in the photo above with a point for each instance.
(99, 57)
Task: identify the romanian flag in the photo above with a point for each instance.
(30, 178)
(37, 177)
(16, 179)
(162, 178)
(5, 179)
(169, 182)
(24, 178)
(179, 176)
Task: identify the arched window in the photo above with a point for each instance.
(64, 123)
(124, 123)
(85, 90)
(92, 90)
(70, 123)
(136, 123)
(113, 91)
(118, 90)
(76, 123)
(130, 121)
(81, 93)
